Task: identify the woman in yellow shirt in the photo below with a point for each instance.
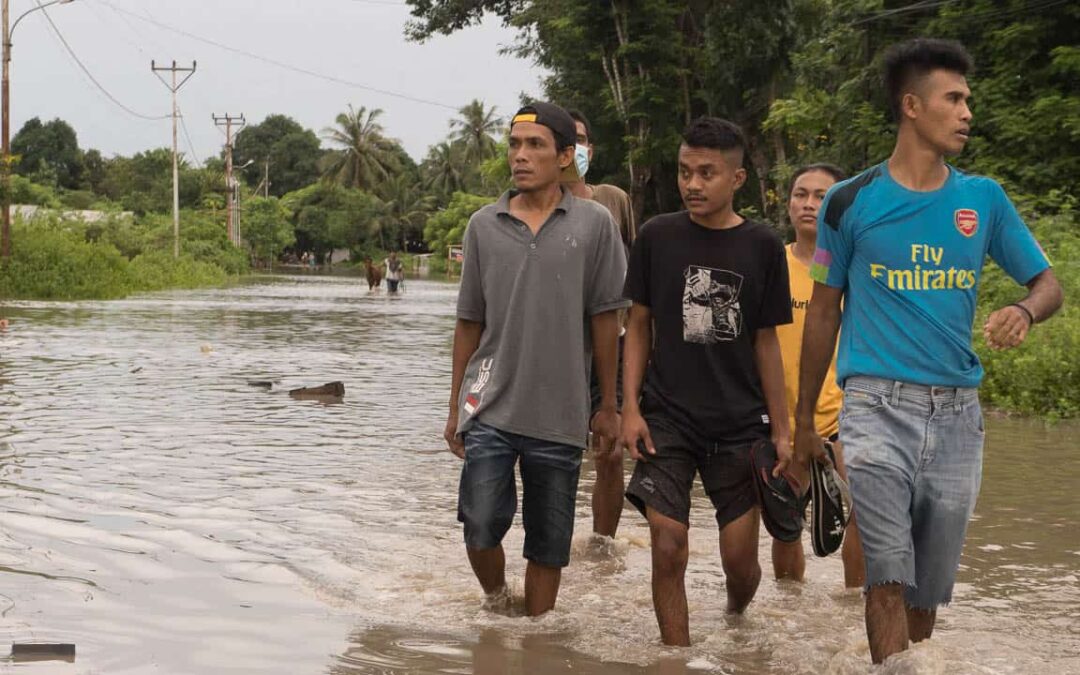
(808, 187)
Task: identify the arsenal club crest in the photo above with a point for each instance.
(967, 221)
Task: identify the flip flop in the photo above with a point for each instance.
(832, 505)
(782, 508)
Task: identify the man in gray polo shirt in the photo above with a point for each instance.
(541, 284)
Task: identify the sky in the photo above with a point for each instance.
(348, 44)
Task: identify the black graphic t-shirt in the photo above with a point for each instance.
(708, 291)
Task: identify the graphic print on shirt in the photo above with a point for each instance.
(711, 311)
(476, 392)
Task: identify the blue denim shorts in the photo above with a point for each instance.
(487, 497)
(914, 460)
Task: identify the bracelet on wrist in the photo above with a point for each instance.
(1030, 316)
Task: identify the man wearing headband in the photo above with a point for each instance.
(541, 284)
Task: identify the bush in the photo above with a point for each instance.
(56, 265)
(1042, 376)
(159, 270)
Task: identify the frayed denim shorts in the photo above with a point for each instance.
(487, 497)
(914, 462)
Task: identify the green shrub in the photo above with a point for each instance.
(1042, 376)
(56, 265)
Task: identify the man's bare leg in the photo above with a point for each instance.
(607, 498)
(788, 560)
(738, 554)
(920, 623)
(886, 621)
(851, 552)
(541, 588)
(489, 566)
(670, 553)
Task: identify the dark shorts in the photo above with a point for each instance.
(392, 284)
(487, 497)
(594, 384)
(663, 483)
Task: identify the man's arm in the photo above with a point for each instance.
(466, 340)
(770, 366)
(1009, 326)
(818, 347)
(636, 349)
(605, 348)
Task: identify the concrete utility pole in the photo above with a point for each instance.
(174, 87)
(5, 133)
(232, 219)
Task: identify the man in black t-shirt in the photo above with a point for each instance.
(708, 287)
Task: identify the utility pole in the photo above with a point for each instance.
(5, 133)
(232, 219)
(266, 178)
(174, 87)
(5, 227)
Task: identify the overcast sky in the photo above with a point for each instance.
(359, 41)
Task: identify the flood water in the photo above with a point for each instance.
(166, 517)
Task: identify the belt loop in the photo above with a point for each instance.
(894, 398)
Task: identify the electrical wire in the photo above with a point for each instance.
(90, 75)
(281, 64)
(187, 136)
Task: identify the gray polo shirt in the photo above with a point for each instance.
(535, 296)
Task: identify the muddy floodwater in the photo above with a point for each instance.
(164, 516)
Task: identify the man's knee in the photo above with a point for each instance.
(886, 597)
(609, 464)
(671, 549)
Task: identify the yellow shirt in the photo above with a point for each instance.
(827, 415)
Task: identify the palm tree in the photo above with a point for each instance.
(365, 156)
(476, 129)
(445, 168)
(403, 208)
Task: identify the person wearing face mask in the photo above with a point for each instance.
(808, 187)
(607, 499)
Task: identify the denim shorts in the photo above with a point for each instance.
(487, 497)
(914, 462)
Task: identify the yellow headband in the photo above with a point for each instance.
(523, 117)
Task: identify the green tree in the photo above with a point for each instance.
(328, 216)
(292, 153)
(403, 208)
(476, 129)
(445, 170)
(267, 229)
(364, 156)
(48, 153)
(447, 227)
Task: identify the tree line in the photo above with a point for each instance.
(348, 186)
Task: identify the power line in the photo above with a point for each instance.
(90, 75)
(281, 64)
(187, 136)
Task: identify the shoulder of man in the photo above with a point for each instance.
(588, 210)
(984, 185)
(842, 196)
(610, 192)
(657, 225)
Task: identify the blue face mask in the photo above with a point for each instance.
(581, 159)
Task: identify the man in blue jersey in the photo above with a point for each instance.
(903, 245)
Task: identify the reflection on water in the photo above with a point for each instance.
(165, 516)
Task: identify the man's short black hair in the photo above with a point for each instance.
(836, 172)
(714, 133)
(580, 117)
(912, 59)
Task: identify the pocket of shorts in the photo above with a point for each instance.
(858, 403)
(973, 419)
